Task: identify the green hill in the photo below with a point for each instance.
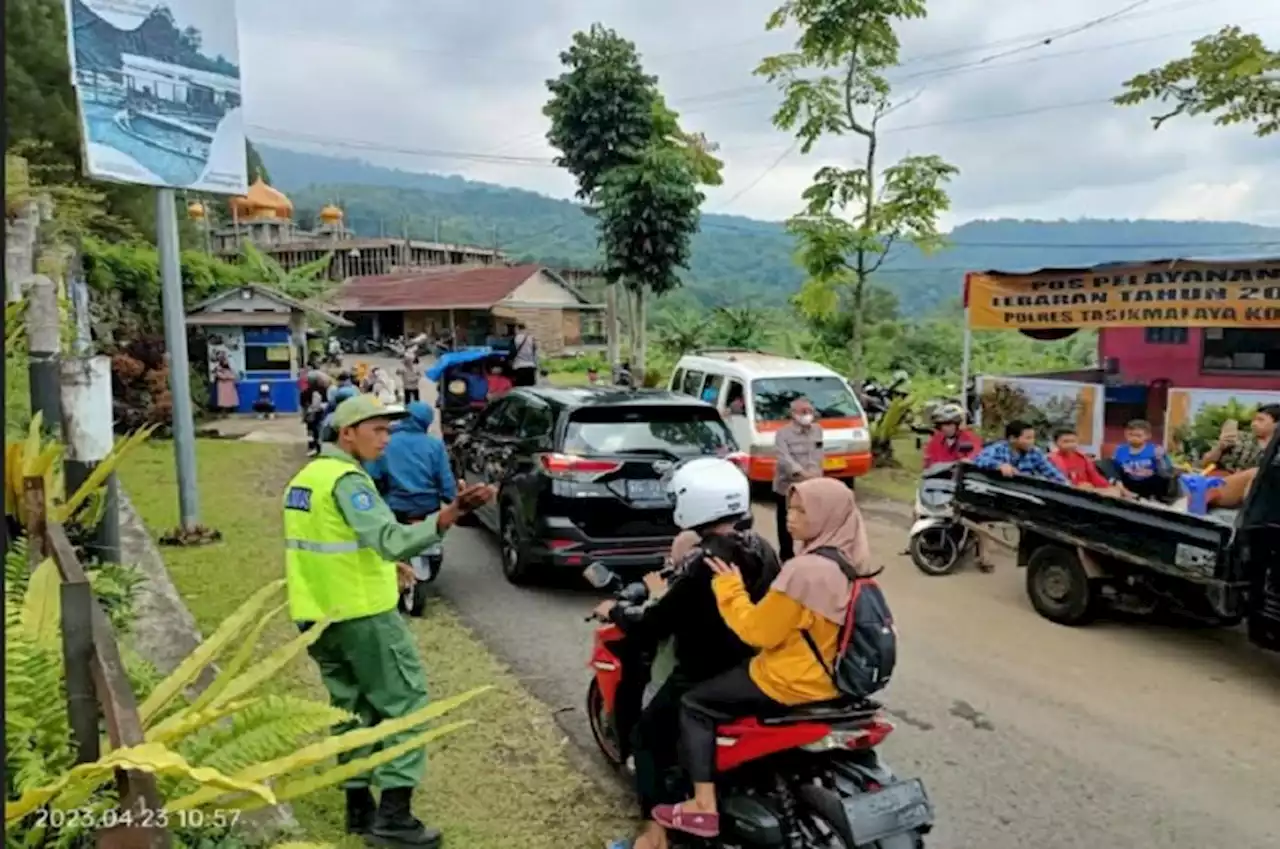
(735, 259)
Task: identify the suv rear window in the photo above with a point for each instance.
(830, 396)
(669, 431)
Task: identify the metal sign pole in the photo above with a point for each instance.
(175, 343)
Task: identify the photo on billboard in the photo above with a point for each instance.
(158, 87)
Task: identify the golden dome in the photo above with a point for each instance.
(262, 201)
(330, 215)
(196, 211)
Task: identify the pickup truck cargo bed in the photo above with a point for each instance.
(1153, 536)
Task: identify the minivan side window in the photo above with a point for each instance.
(711, 389)
(677, 380)
(692, 384)
(735, 399)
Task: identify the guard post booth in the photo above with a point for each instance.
(263, 333)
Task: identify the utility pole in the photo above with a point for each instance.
(44, 341)
(175, 343)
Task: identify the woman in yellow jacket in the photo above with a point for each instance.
(810, 595)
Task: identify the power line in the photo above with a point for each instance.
(761, 93)
(495, 159)
(1040, 38)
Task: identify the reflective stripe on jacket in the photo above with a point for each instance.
(328, 572)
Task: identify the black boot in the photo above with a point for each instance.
(396, 826)
(360, 810)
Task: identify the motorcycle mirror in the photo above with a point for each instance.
(598, 575)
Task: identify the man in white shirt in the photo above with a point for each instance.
(524, 358)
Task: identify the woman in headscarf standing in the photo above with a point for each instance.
(810, 597)
(226, 396)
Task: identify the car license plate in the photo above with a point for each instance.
(646, 490)
(833, 464)
(897, 809)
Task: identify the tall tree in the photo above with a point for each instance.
(833, 84)
(636, 169)
(1231, 75)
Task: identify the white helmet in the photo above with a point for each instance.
(709, 490)
(948, 414)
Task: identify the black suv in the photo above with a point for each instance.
(580, 473)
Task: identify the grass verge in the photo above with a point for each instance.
(898, 484)
(503, 783)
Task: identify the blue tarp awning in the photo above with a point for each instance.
(458, 358)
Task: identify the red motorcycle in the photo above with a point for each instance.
(807, 779)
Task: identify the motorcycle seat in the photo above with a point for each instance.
(833, 712)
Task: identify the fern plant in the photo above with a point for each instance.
(230, 747)
(886, 429)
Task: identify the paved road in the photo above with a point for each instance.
(1118, 736)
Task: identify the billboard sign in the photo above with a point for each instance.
(1177, 293)
(158, 87)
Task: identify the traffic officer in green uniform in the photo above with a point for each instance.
(343, 548)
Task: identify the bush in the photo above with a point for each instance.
(579, 364)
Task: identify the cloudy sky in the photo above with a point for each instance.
(1027, 122)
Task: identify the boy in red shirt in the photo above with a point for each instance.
(1079, 468)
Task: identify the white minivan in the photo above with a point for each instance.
(754, 391)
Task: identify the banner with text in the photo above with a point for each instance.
(1182, 294)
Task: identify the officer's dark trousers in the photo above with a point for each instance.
(371, 668)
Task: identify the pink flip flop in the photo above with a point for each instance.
(676, 818)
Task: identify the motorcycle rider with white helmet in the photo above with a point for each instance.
(712, 498)
(951, 441)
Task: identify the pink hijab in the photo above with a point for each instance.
(834, 522)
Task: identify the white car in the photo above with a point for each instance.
(754, 391)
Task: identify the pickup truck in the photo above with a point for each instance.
(1085, 551)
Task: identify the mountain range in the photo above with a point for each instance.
(735, 259)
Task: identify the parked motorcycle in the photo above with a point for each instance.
(939, 542)
(876, 397)
(426, 568)
(810, 777)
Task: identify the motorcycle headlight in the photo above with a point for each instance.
(935, 497)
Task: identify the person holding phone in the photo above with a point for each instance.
(1234, 452)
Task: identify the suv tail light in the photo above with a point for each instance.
(739, 459)
(569, 465)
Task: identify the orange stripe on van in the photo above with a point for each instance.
(827, 424)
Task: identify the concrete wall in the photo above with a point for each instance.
(20, 240)
(1143, 362)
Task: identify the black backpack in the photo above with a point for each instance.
(868, 646)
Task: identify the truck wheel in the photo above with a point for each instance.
(1059, 587)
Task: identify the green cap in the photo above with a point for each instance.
(362, 408)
